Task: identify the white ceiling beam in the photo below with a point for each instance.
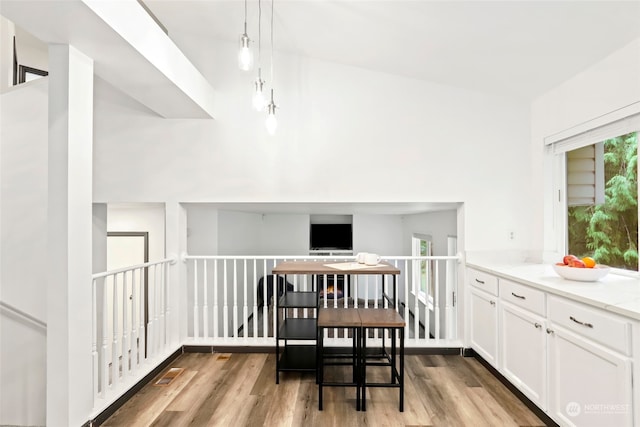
(129, 49)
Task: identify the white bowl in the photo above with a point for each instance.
(582, 274)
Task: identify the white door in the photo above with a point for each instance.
(523, 356)
(484, 325)
(589, 385)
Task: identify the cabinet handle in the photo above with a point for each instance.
(588, 325)
(518, 296)
(537, 325)
(550, 331)
(480, 281)
(492, 302)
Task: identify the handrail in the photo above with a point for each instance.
(299, 257)
(11, 309)
(131, 267)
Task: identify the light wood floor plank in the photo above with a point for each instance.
(239, 389)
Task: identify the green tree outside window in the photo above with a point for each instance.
(609, 232)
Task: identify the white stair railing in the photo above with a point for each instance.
(131, 316)
(226, 308)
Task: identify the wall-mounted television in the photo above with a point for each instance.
(331, 236)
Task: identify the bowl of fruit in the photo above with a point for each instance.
(580, 269)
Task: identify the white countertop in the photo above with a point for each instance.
(615, 293)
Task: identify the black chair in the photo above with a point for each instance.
(281, 282)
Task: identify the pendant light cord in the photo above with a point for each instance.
(272, 49)
(245, 16)
(259, 33)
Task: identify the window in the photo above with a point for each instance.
(423, 270)
(597, 193)
(602, 201)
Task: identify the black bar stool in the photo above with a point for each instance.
(382, 319)
(338, 318)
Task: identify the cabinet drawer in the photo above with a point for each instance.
(523, 296)
(483, 281)
(597, 325)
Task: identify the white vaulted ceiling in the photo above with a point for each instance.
(510, 47)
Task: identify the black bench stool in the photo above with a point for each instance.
(382, 319)
(338, 318)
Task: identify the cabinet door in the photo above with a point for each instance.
(589, 384)
(484, 325)
(523, 358)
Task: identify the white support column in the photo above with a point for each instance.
(176, 245)
(69, 245)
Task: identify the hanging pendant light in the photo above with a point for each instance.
(271, 122)
(245, 57)
(258, 97)
(259, 100)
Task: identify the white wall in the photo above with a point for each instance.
(22, 372)
(202, 229)
(411, 140)
(23, 142)
(238, 232)
(607, 86)
(140, 217)
(438, 225)
(99, 250)
(381, 234)
(23, 252)
(284, 234)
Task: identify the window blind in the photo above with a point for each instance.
(610, 130)
(585, 176)
(585, 159)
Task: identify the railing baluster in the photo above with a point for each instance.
(144, 313)
(167, 316)
(405, 310)
(225, 307)
(216, 313)
(265, 302)
(449, 286)
(416, 275)
(245, 306)
(196, 320)
(125, 327)
(134, 322)
(205, 297)
(104, 368)
(275, 296)
(158, 304)
(150, 309)
(235, 298)
(114, 345)
(94, 337)
(161, 321)
(255, 299)
(436, 302)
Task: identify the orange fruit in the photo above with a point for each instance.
(589, 262)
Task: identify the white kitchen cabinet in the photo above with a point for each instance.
(523, 346)
(574, 360)
(484, 324)
(589, 368)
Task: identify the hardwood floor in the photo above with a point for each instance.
(239, 389)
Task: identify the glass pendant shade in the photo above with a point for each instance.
(271, 122)
(259, 100)
(245, 57)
